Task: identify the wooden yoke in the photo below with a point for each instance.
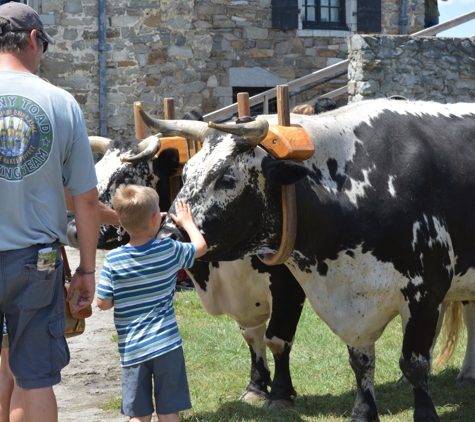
(288, 143)
(289, 203)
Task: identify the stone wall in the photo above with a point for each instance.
(423, 68)
(192, 51)
(390, 16)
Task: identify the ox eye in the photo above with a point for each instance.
(226, 181)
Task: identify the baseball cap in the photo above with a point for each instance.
(21, 17)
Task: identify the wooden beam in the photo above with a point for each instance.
(244, 109)
(169, 108)
(283, 105)
(140, 130)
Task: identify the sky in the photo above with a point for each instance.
(451, 9)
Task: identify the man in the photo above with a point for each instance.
(43, 146)
(431, 14)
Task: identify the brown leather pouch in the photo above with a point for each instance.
(75, 322)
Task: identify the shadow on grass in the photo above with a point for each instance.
(453, 403)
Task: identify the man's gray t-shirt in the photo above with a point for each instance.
(43, 146)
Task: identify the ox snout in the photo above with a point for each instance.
(72, 235)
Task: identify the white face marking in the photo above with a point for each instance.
(105, 168)
(109, 165)
(200, 166)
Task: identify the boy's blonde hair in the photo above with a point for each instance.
(135, 205)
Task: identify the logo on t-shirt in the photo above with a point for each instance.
(26, 137)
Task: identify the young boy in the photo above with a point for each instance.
(138, 280)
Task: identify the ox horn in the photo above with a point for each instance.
(148, 147)
(99, 144)
(254, 132)
(190, 129)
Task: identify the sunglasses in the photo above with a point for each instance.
(45, 41)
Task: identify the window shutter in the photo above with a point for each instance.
(369, 16)
(285, 14)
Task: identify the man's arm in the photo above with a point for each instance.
(106, 214)
(86, 212)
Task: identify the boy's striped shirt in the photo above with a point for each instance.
(141, 281)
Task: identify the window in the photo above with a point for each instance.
(285, 14)
(323, 14)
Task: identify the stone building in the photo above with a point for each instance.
(202, 52)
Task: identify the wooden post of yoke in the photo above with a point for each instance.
(139, 123)
(169, 108)
(289, 205)
(244, 108)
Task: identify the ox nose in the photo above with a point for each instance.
(174, 233)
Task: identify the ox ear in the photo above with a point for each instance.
(283, 172)
(167, 163)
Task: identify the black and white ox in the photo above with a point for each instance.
(271, 294)
(385, 221)
(126, 160)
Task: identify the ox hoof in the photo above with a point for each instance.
(278, 404)
(252, 397)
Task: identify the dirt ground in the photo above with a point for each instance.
(93, 376)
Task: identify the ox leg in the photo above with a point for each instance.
(260, 374)
(415, 361)
(362, 362)
(288, 298)
(440, 322)
(466, 376)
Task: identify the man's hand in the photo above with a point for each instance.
(85, 284)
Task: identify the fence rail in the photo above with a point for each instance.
(446, 25)
(264, 97)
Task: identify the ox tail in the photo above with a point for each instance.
(450, 333)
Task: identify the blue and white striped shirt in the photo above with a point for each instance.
(141, 281)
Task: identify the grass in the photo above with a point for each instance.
(218, 365)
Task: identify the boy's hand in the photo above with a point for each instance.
(184, 219)
(183, 214)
